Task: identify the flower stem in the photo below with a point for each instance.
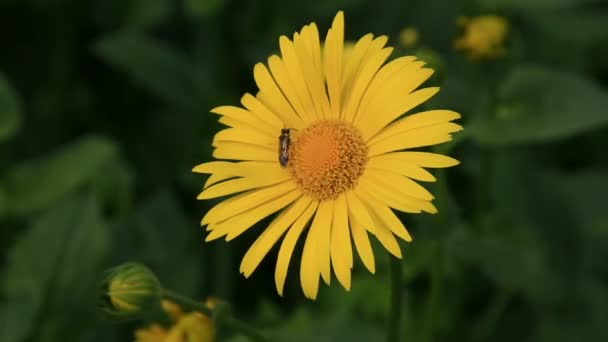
(396, 303)
(222, 320)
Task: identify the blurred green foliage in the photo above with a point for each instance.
(104, 111)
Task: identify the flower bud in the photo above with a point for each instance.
(130, 290)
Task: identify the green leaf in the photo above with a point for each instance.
(537, 104)
(51, 264)
(10, 110)
(532, 4)
(153, 66)
(144, 13)
(202, 8)
(35, 184)
(160, 225)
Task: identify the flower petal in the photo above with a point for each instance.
(243, 116)
(288, 245)
(385, 215)
(369, 67)
(334, 50)
(272, 97)
(321, 230)
(238, 224)
(307, 47)
(423, 159)
(341, 248)
(386, 194)
(257, 108)
(364, 247)
(388, 111)
(281, 75)
(241, 151)
(415, 121)
(271, 235)
(246, 201)
(247, 136)
(400, 184)
(358, 210)
(424, 136)
(387, 162)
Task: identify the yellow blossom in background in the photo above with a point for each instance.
(322, 144)
(483, 36)
(152, 333)
(193, 327)
(408, 37)
(187, 327)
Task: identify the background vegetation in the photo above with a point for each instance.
(104, 111)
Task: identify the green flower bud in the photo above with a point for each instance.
(130, 290)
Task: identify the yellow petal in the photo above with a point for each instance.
(364, 248)
(415, 121)
(242, 184)
(389, 163)
(321, 235)
(306, 52)
(361, 81)
(296, 75)
(386, 194)
(386, 73)
(241, 151)
(246, 201)
(388, 111)
(334, 49)
(272, 97)
(341, 248)
(280, 74)
(238, 224)
(288, 245)
(358, 210)
(242, 115)
(424, 136)
(387, 217)
(216, 178)
(385, 236)
(257, 108)
(309, 268)
(354, 59)
(423, 159)
(271, 235)
(400, 184)
(247, 136)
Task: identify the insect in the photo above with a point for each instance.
(284, 141)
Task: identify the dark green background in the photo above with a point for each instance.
(104, 111)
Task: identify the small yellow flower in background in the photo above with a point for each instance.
(408, 37)
(193, 327)
(483, 37)
(153, 333)
(188, 327)
(321, 144)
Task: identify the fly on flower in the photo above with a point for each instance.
(284, 142)
(338, 180)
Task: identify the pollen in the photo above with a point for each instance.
(327, 158)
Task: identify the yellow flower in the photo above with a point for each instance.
(188, 327)
(193, 327)
(153, 333)
(345, 167)
(483, 36)
(408, 37)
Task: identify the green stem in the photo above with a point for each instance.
(227, 321)
(434, 296)
(396, 303)
(487, 323)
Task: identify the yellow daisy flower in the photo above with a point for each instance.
(322, 144)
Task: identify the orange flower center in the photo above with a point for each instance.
(327, 158)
